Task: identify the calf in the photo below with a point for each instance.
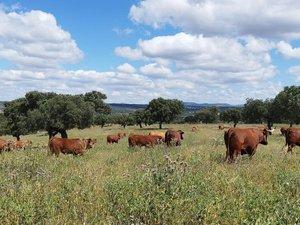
(172, 136)
(70, 146)
(112, 139)
(5, 145)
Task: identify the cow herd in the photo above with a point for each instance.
(238, 141)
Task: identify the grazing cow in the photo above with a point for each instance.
(283, 130)
(144, 140)
(70, 146)
(122, 135)
(113, 139)
(172, 136)
(5, 145)
(21, 144)
(240, 141)
(292, 138)
(194, 129)
(158, 133)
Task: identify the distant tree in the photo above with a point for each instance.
(101, 119)
(97, 98)
(190, 119)
(139, 117)
(124, 119)
(3, 125)
(254, 111)
(287, 105)
(164, 110)
(15, 113)
(208, 115)
(231, 115)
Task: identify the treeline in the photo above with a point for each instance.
(57, 113)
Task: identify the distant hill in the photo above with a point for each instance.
(189, 106)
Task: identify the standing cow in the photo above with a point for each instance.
(240, 141)
(110, 139)
(172, 136)
(70, 146)
(158, 133)
(5, 145)
(292, 139)
(144, 140)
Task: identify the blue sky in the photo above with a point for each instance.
(133, 51)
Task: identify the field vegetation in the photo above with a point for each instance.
(113, 184)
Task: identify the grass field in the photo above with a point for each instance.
(182, 185)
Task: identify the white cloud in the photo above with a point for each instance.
(126, 68)
(295, 70)
(261, 18)
(288, 51)
(156, 70)
(128, 53)
(123, 32)
(34, 40)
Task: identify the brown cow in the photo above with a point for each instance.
(112, 139)
(240, 141)
(144, 140)
(292, 139)
(70, 146)
(283, 130)
(172, 136)
(122, 135)
(158, 133)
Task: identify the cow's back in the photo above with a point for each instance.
(66, 146)
(293, 136)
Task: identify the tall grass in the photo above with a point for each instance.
(112, 184)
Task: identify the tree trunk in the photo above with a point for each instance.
(234, 124)
(102, 125)
(160, 125)
(291, 124)
(18, 137)
(270, 124)
(140, 125)
(52, 132)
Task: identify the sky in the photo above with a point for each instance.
(204, 51)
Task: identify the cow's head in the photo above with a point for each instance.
(264, 139)
(90, 143)
(181, 134)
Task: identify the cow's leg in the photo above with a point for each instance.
(290, 148)
(285, 148)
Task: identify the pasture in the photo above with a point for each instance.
(112, 184)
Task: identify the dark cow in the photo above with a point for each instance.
(70, 146)
(144, 140)
(292, 139)
(240, 141)
(172, 136)
(283, 130)
(112, 139)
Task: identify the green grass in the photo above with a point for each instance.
(116, 185)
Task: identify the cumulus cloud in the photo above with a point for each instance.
(156, 70)
(288, 51)
(128, 53)
(126, 68)
(261, 18)
(34, 40)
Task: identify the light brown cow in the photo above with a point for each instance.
(240, 141)
(158, 133)
(144, 140)
(292, 139)
(5, 145)
(21, 144)
(172, 136)
(194, 129)
(122, 134)
(70, 146)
